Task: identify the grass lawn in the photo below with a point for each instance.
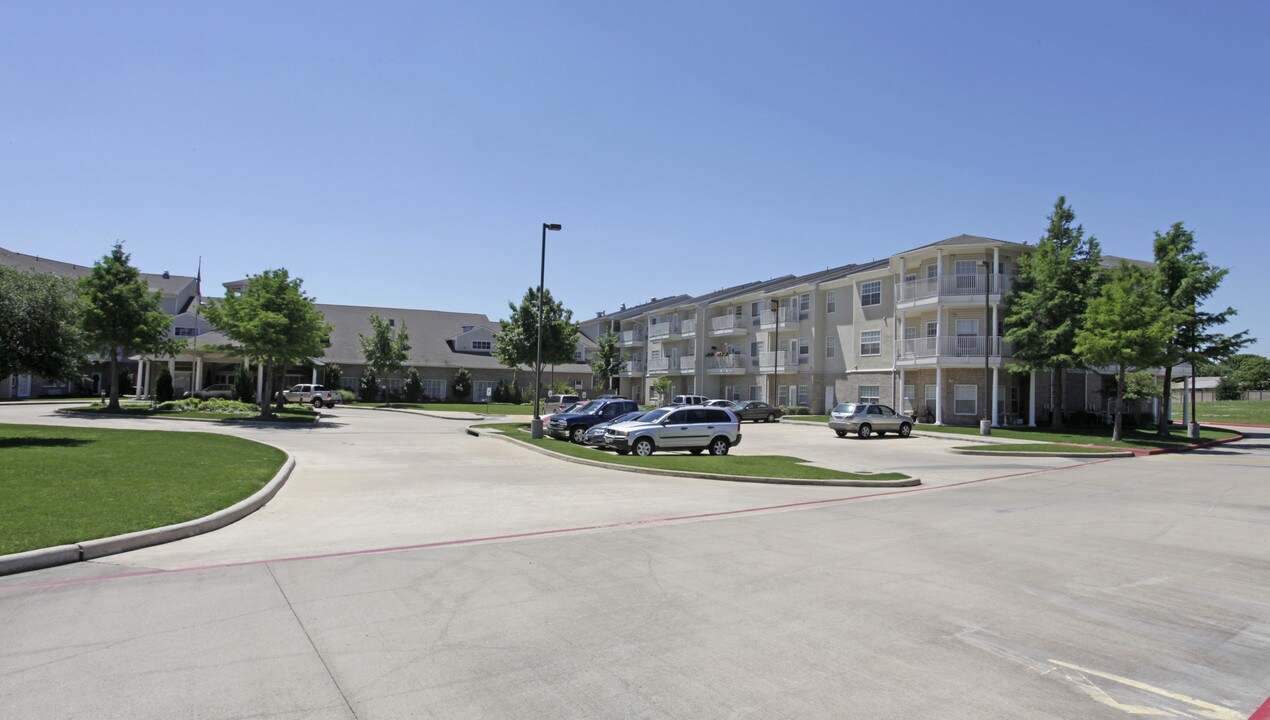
(291, 414)
(65, 485)
(806, 418)
(779, 466)
(1245, 412)
(1037, 447)
(1133, 438)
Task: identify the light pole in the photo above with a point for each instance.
(776, 343)
(985, 423)
(535, 429)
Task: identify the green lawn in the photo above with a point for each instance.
(290, 414)
(1244, 412)
(1133, 438)
(779, 466)
(1037, 447)
(65, 485)
(807, 418)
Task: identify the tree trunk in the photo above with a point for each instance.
(266, 410)
(114, 380)
(1055, 415)
(1166, 412)
(282, 401)
(1117, 431)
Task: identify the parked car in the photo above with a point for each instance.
(573, 426)
(595, 435)
(220, 390)
(720, 403)
(693, 428)
(689, 400)
(757, 410)
(865, 419)
(574, 407)
(314, 395)
(555, 402)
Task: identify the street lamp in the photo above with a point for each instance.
(535, 429)
(985, 423)
(775, 306)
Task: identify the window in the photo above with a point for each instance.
(965, 272)
(782, 395)
(756, 392)
(831, 302)
(804, 349)
(870, 394)
(183, 332)
(803, 396)
(932, 328)
(932, 271)
(433, 389)
(577, 355)
(965, 400)
(755, 309)
(485, 345)
(871, 342)
(831, 346)
(910, 400)
(929, 397)
(804, 306)
(871, 293)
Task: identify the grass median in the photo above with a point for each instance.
(774, 466)
(213, 410)
(63, 485)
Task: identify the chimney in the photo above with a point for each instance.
(166, 275)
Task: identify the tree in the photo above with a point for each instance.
(331, 376)
(1249, 372)
(244, 386)
(661, 387)
(1045, 307)
(40, 329)
(121, 315)
(163, 390)
(1228, 389)
(273, 322)
(1185, 279)
(368, 387)
(607, 360)
(385, 351)
(516, 343)
(462, 385)
(413, 391)
(1128, 325)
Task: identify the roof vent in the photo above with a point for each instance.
(166, 275)
(623, 307)
(599, 313)
(468, 328)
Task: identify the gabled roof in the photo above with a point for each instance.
(963, 239)
(168, 283)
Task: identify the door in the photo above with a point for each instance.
(676, 432)
(24, 386)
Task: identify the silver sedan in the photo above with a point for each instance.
(865, 419)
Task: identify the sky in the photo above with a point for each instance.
(407, 154)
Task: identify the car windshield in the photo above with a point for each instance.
(593, 410)
(628, 417)
(655, 415)
(846, 409)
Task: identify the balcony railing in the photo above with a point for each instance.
(731, 362)
(767, 319)
(688, 327)
(688, 364)
(955, 346)
(952, 286)
(661, 330)
(782, 359)
(632, 367)
(726, 325)
(634, 337)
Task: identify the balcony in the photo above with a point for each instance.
(631, 368)
(727, 325)
(631, 338)
(662, 366)
(688, 328)
(688, 365)
(784, 360)
(952, 288)
(729, 364)
(767, 320)
(958, 350)
(660, 331)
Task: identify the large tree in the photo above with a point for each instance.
(1185, 278)
(1250, 372)
(121, 315)
(1045, 308)
(40, 329)
(517, 342)
(385, 351)
(272, 322)
(607, 360)
(1128, 325)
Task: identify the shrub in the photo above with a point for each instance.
(1228, 389)
(501, 392)
(369, 386)
(796, 410)
(414, 386)
(212, 405)
(518, 395)
(125, 382)
(163, 390)
(331, 377)
(244, 387)
(462, 385)
(347, 396)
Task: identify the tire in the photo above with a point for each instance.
(696, 451)
(621, 452)
(865, 430)
(317, 403)
(578, 435)
(719, 446)
(643, 447)
(770, 417)
(841, 433)
(905, 430)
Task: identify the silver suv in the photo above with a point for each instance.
(864, 419)
(693, 428)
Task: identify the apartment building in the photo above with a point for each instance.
(919, 330)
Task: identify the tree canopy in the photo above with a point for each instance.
(607, 360)
(40, 330)
(387, 348)
(517, 342)
(272, 322)
(1045, 306)
(121, 315)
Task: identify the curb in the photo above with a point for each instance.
(1197, 446)
(91, 549)
(1057, 454)
(408, 411)
(473, 431)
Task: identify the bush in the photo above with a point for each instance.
(796, 410)
(518, 395)
(462, 385)
(163, 390)
(369, 386)
(331, 377)
(502, 393)
(213, 405)
(414, 386)
(244, 387)
(347, 396)
(125, 383)
(1228, 389)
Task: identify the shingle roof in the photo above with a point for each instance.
(170, 285)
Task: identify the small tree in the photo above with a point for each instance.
(501, 393)
(462, 385)
(163, 390)
(387, 348)
(368, 387)
(244, 385)
(414, 386)
(518, 395)
(607, 361)
(331, 376)
(661, 388)
(121, 315)
(39, 325)
(1128, 325)
(516, 343)
(1228, 389)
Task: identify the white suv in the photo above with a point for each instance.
(692, 428)
(690, 400)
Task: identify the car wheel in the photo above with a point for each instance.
(905, 429)
(622, 452)
(643, 447)
(578, 435)
(865, 430)
(317, 403)
(696, 451)
(770, 417)
(719, 446)
(841, 433)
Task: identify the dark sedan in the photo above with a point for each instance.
(757, 410)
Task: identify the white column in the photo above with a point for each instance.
(939, 395)
(260, 382)
(137, 390)
(1031, 400)
(314, 380)
(198, 373)
(996, 386)
(901, 403)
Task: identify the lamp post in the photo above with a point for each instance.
(776, 343)
(985, 423)
(535, 429)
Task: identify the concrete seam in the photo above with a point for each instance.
(312, 644)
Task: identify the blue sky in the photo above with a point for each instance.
(406, 154)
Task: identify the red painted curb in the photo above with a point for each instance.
(1199, 446)
(1261, 713)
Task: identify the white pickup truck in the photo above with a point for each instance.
(314, 395)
